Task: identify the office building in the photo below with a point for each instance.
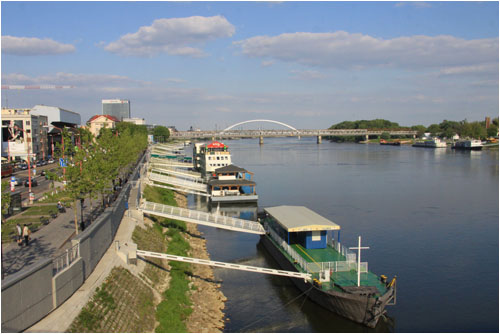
(24, 134)
(117, 108)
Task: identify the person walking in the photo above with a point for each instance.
(26, 234)
(19, 235)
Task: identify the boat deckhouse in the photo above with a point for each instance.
(232, 183)
(209, 157)
(300, 225)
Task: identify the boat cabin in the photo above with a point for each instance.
(209, 157)
(232, 183)
(300, 225)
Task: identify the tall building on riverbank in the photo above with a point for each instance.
(117, 108)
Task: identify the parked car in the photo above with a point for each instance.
(43, 162)
(24, 166)
(34, 182)
(51, 161)
(39, 163)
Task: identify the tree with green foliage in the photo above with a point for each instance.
(161, 133)
(5, 197)
(420, 129)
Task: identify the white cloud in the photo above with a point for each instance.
(31, 46)
(352, 50)
(74, 79)
(491, 68)
(172, 36)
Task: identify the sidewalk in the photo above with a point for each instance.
(48, 241)
(61, 318)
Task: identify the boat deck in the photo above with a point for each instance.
(327, 254)
(345, 278)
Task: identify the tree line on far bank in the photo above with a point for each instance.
(445, 129)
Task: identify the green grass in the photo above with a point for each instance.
(175, 308)
(40, 210)
(9, 226)
(123, 304)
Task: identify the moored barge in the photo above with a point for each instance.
(303, 241)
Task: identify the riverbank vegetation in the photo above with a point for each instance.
(175, 307)
(445, 129)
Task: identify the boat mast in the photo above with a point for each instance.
(359, 248)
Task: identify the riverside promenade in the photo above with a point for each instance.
(49, 241)
(41, 277)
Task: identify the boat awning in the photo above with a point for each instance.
(300, 219)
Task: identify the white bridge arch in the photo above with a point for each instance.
(260, 120)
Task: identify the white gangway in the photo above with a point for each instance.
(167, 162)
(175, 181)
(186, 175)
(202, 218)
(225, 265)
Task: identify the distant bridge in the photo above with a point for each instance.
(230, 133)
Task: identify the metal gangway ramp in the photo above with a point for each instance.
(225, 265)
(175, 181)
(202, 218)
(187, 175)
(169, 163)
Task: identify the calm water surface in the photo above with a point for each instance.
(429, 216)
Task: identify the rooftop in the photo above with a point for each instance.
(231, 169)
(300, 219)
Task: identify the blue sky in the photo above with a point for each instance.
(213, 64)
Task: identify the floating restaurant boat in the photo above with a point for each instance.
(474, 144)
(208, 157)
(301, 240)
(432, 143)
(232, 184)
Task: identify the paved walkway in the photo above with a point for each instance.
(49, 241)
(61, 318)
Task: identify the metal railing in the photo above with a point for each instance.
(317, 267)
(179, 213)
(64, 260)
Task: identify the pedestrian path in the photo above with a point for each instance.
(49, 241)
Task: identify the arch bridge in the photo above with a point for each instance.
(231, 133)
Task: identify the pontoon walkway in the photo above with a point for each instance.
(202, 218)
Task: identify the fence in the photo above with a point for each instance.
(32, 293)
(64, 260)
(153, 208)
(317, 267)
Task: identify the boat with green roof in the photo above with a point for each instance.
(303, 241)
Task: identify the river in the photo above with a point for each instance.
(429, 216)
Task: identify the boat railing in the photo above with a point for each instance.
(289, 250)
(336, 266)
(202, 216)
(317, 267)
(349, 256)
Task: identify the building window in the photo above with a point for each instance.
(28, 122)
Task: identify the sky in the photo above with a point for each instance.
(213, 64)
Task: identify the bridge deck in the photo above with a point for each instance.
(202, 218)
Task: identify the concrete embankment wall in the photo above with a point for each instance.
(30, 294)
